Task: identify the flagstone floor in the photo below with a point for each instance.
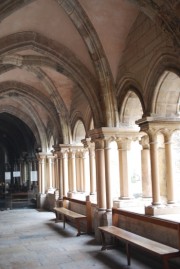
(30, 239)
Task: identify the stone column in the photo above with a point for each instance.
(21, 167)
(100, 174)
(109, 201)
(65, 173)
(86, 181)
(123, 150)
(92, 170)
(57, 170)
(169, 169)
(42, 158)
(72, 170)
(56, 154)
(92, 164)
(154, 170)
(78, 172)
(29, 172)
(61, 183)
(81, 181)
(51, 171)
(146, 168)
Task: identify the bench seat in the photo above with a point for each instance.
(164, 251)
(66, 213)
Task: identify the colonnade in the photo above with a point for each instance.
(86, 168)
(24, 167)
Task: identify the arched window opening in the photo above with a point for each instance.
(51, 144)
(131, 109)
(91, 124)
(167, 95)
(79, 132)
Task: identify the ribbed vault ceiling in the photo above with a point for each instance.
(59, 60)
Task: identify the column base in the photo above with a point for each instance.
(162, 209)
(41, 201)
(125, 202)
(101, 218)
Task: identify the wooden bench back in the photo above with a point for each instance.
(81, 207)
(163, 231)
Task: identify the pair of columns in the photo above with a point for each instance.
(153, 126)
(46, 172)
(102, 138)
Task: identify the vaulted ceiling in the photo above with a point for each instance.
(59, 62)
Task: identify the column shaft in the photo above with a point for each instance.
(155, 174)
(146, 168)
(65, 174)
(108, 177)
(169, 170)
(100, 175)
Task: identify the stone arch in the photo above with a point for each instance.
(56, 56)
(79, 132)
(27, 93)
(58, 103)
(166, 100)
(24, 117)
(131, 107)
(165, 61)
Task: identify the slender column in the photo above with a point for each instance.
(57, 171)
(78, 175)
(123, 150)
(41, 173)
(154, 170)
(169, 169)
(21, 171)
(56, 154)
(51, 171)
(60, 156)
(146, 168)
(25, 172)
(72, 170)
(92, 170)
(108, 176)
(86, 178)
(65, 173)
(81, 181)
(29, 172)
(100, 174)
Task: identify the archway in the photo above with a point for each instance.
(18, 164)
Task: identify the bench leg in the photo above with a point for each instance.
(78, 228)
(64, 221)
(128, 254)
(165, 263)
(103, 241)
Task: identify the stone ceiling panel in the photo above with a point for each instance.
(47, 18)
(23, 76)
(112, 20)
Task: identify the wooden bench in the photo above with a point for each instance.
(68, 214)
(165, 252)
(163, 231)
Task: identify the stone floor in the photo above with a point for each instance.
(30, 239)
